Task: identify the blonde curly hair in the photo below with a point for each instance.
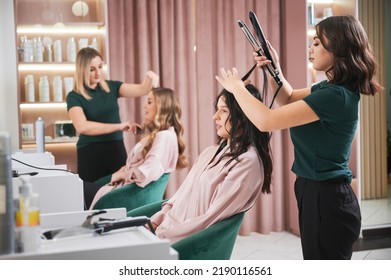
(168, 114)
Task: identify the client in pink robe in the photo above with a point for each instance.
(225, 179)
(161, 150)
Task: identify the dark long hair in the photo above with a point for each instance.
(244, 134)
(354, 63)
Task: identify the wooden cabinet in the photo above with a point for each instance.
(42, 28)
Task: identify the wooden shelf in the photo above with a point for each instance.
(53, 20)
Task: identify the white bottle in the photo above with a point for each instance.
(57, 51)
(71, 50)
(57, 89)
(22, 40)
(40, 135)
(28, 51)
(29, 88)
(83, 43)
(49, 54)
(44, 92)
(38, 50)
(27, 218)
(68, 84)
(94, 44)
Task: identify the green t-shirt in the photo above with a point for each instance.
(322, 148)
(103, 107)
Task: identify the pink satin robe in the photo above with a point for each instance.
(161, 158)
(210, 194)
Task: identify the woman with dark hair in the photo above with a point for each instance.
(93, 108)
(160, 150)
(226, 178)
(323, 121)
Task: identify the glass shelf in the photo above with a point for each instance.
(43, 105)
(59, 29)
(57, 140)
(49, 66)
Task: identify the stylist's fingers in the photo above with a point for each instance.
(261, 60)
(136, 128)
(154, 78)
(229, 79)
(228, 73)
(224, 74)
(126, 126)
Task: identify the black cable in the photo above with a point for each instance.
(245, 77)
(275, 77)
(275, 94)
(42, 168)
(16, 174)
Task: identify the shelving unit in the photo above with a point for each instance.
(318, 10)
(54, 20)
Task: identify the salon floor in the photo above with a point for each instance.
(286, 246)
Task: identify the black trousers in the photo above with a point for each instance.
(329, 218)
(100, 159)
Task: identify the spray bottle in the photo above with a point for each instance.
(27, 218)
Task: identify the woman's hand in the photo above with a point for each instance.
(125, 126)
(230, 80)
(130, 127)
(118, 177)
(135, 128)
(151, 80)
(262, 60)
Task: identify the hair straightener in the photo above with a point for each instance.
(261, 48)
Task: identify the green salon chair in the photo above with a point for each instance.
(103, 180)
(212, 243)
(132, 196)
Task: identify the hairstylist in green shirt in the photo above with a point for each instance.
(323, 121)
(93, 108)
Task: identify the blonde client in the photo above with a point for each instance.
(225, 179)
(161, 149)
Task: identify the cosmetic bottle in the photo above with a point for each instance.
(94, 44)
(38, 51)
(27, 218)
(40, 135)
(44, 90)
(29, 88)
(28, 50)
(49, 54)
(57, 89)
(71, 50)
(22, 40)
(57, 51)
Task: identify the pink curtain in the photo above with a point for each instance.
(186, 42)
